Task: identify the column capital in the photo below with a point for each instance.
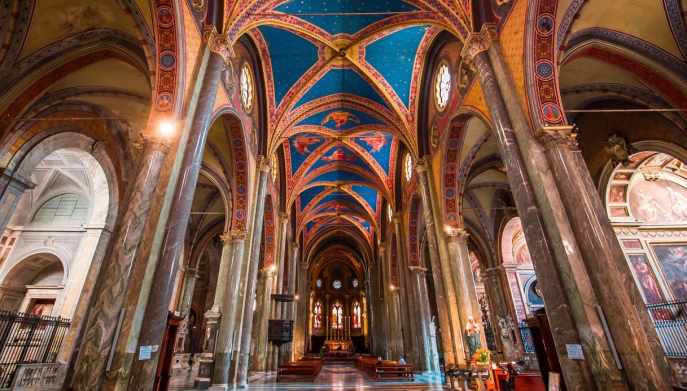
(479, 42)
(417, 269)
(562, 136)
(456, 233)
(283, 216)
(397, 219)
(233, 235)
(218, 44)
(421, 166)
(295, 245)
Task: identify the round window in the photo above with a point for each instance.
(355, 283)
(336, 284)
(318, 283)
(442, 86)
(246, 83)
(408, 167)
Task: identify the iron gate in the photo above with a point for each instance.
(28, 339)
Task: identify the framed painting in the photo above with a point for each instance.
(672, 257)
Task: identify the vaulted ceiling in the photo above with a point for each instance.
(342, 81)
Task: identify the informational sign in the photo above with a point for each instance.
(574, 351)
(146, 352)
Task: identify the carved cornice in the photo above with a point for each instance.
(559, 136)
(218, 43)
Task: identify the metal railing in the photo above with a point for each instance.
(28, 339)
(526, 337)
(670, 320)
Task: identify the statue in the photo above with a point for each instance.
(472, 335)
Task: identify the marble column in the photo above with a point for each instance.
(230, 304)
(287, 354)
(265, 285)
(107, 311)
(422, 317)
(278, 308)
(447, 305)
(188, 286)
(254, 258)
(408, 303)
(567, 291)
(394, 337)
(382, 336)
(468, 305)
(498, 295)
(157, 309)
(621, 303)
(213, 315)
(302, 312)
(12, 187)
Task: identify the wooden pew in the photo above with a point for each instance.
(305, 369)
(392, 370)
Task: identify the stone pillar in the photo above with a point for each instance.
(213, 315)
(302, 311)
(566, 288)
(468, 305)
(107, 311)
(498, 294)
(254, 258)
(229, 309)
(447, 305)
(394, 339)
(190, 277)
(287, 354)
(12, 187)
(621, 303)
(157, 309)
(422, 317)
(408, 303)
(265, 285)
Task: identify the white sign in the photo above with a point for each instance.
(574, 351)
(145, 352)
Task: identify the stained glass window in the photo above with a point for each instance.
(442, 86)
(408, 166)
(246, 82)
(356, 315)
(317, 315)
(318, 283)
(355, 283)
(337, 316)
(336, 284)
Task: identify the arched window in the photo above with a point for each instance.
(408, 166)
(337, 316)
(64, 209)
(518, 266)
(650, 194)
(356, 315)
(317, 315)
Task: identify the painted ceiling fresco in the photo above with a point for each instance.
(341, 78)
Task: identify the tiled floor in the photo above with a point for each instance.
(343, 378)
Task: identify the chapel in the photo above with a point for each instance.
(474, 195)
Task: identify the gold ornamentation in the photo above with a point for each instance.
(479, 42)
(198, 5)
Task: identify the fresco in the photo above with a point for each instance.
(673, 261)
(659, 201)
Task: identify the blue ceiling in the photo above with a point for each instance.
(321, 13)
(360, 132)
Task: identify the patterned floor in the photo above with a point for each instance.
(343, 378)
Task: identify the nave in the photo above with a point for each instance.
(308, 194)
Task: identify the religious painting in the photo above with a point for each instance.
(646, 279)
(673, 261)
(659, 201)
(41, 307)
(617, 194)
(619, 212)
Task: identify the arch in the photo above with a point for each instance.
(39, 270)
(21, 160)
